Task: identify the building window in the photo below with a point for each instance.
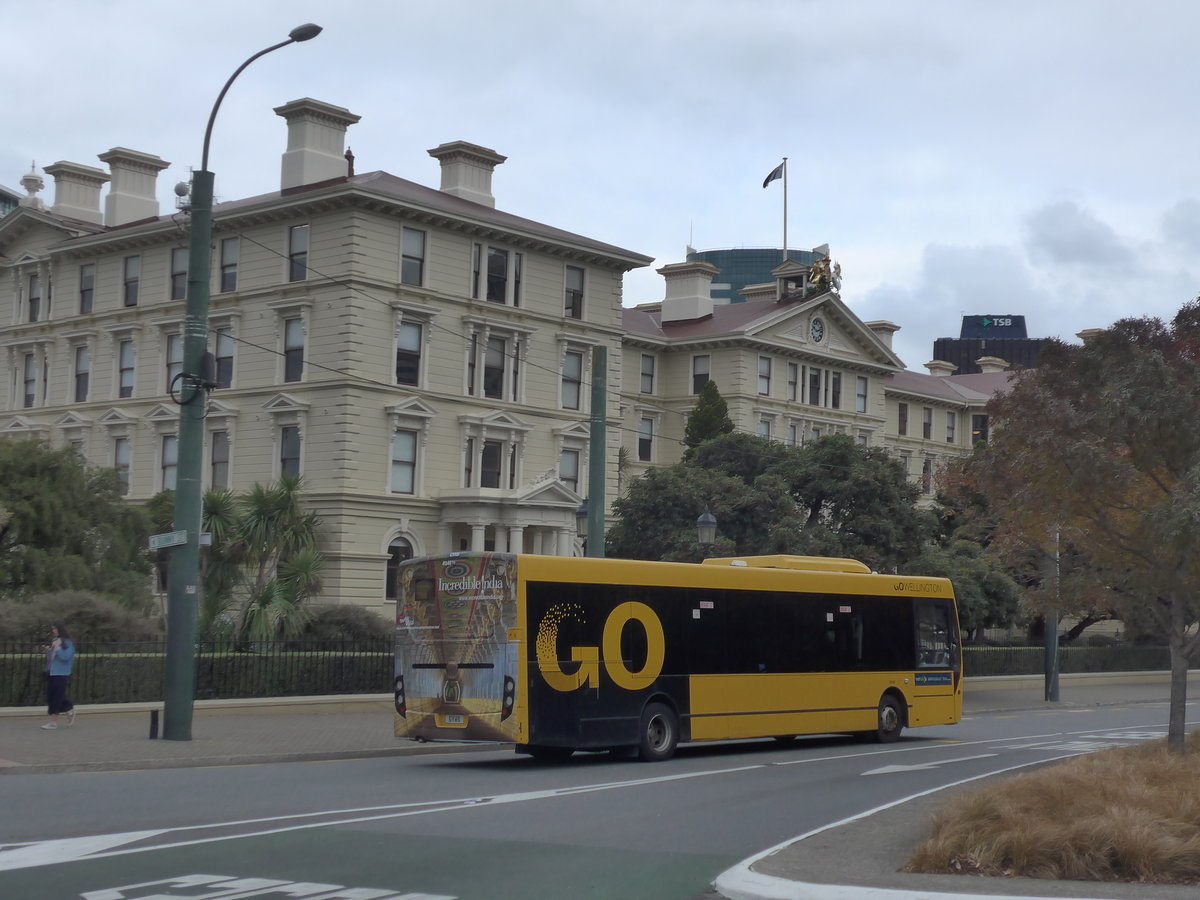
(493, 368)
(927, 475)
(179, 270)
(289, 450)
(495, 275)
(906, 464)
(170, 461)
(174, 359)
(979, 429)
(814, 387)
(293, 349)
(764, 428)
(902, 419)
(412, 256)
(125, 363)
(572, 379)
(764, 376)
(835, 390)
(700, 373)
(224, 357)
(121, 457)
(87, 287)
(230, 249)
(860, 394)
(793, 382)
(573, 299)
(568, 469)
(133, 277)
(647, 373)
(927, 423)
(951, 426)
(398, 551)
(491, 464)
(646, 440)
(404, 462)
(83, 368)
(30, 380)
(297, 253)
(218, 466)
(408, 353)
(35, 297)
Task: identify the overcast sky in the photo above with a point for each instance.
(1033, 157)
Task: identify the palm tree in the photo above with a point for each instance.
(263, 563)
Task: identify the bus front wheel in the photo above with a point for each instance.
(890, 720)
(659, 733)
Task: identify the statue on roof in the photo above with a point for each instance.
(825, 275)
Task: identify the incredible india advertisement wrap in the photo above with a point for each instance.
(455, 667)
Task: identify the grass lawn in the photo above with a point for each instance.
(1127, 814)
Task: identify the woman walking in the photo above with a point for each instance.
(60, 657)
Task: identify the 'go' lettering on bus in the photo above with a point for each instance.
(609, 651)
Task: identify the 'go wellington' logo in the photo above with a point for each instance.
(589, 658)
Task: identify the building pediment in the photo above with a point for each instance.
(497, 419)
(285, 402)
(826, 326)
(547, 492)
(23, 427)
(163, 413)
(72, 420)
(115, 416)
(412, 406)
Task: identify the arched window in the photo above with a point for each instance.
(398, 551)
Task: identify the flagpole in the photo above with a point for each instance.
(785, 247)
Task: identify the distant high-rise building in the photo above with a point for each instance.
(989, 336)
(743, 266)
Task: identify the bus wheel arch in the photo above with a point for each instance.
(891, 717)
(658, 731)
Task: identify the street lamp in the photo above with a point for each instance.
(179, 688)
(706, 529)
(581, 523)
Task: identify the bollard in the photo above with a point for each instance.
(153, 724)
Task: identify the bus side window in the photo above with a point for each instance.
(934, 648)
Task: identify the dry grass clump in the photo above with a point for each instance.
(1128, 814)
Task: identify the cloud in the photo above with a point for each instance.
(1064, 234)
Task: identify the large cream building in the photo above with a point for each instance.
(421, 357)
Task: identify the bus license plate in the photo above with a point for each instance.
(456, 720)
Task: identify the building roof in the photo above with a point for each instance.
(977, 388)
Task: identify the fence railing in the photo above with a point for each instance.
(132, 672)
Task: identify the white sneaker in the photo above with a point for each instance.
(50, 726)
(71, 716)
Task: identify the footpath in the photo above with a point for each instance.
(854, 861)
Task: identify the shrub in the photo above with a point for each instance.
(96, 618)
(345, 623)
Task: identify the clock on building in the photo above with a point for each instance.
(817, 329)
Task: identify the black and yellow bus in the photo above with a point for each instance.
(558, 654)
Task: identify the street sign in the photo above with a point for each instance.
(170, 539)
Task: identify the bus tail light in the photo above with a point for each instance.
(401, 703)
(510, 696)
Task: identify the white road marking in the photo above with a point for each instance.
(932, 764)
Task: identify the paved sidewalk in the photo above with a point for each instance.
(117, 737)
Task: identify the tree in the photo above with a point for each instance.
(263, 563)
(64, 526)
(708, 419)
(1100, 447)
(831, 498)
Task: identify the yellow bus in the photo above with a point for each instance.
(557, 654)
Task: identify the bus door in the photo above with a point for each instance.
(938, 669)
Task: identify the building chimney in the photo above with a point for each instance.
(883, 330)
(467, 170)
(989, 365)
(77, 191)
(688, 291)
(316, 147)
(132, 196)
(940, 367)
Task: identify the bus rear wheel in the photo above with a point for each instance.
(659, 733)
(890, 720)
